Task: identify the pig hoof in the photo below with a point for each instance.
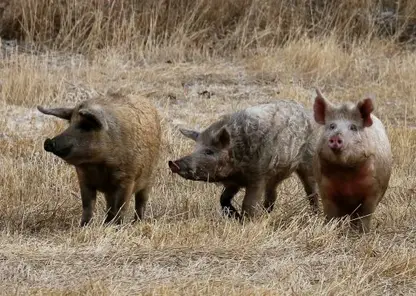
(137, 219)
(269, 209)
(110, 220)
(84, 223)
(243, 219)
(230, 212)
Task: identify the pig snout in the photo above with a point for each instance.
(183, 169)
(174, 167)
(335, 143)
(50, 145)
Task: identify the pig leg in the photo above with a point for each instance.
(331, 210)
(270, 192)
(88, 197)
(225, 200)
(309, 184)
(111, 212)
(251, 199)
(362, 219)
(117, 203)
(141, 198)
(123, 196)
(270, 196)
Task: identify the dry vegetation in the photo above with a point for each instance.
(241, 53)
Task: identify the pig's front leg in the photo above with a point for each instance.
(361, 220)
(88, 197)
(117, 202)
(331, 209)
(141, 198)
(252, 198)
(225, 200)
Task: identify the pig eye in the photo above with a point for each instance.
(332, 126)
(353, 127)
(85, 126)
(209, 152)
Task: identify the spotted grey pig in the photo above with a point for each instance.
(256, 149)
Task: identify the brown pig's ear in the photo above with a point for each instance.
(94, 116)
(320, 107)
(64, 113)
(365, 107)
(191, 134)
(222, 139)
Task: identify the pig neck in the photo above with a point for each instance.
(238, 179)
(334, 170)
(103, 167)
(100, 176)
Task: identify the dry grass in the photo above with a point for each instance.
(185, 246)
(211, 26)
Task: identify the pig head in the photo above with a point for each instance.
(344, 139)
(84, 140)
(211, 159)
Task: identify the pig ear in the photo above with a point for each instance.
(94, 116)
(191, 134)
(64, 113)
(365, 107)
(320, 107)
(222, 138)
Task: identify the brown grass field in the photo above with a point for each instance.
(185, 246)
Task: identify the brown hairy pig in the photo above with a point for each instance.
(256, 149)
(113, 142)
(353, 160)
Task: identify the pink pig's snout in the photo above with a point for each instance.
(335, 143)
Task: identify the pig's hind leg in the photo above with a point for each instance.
(270, 196)
(251, 199)
(307, 178)
(270, 191)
